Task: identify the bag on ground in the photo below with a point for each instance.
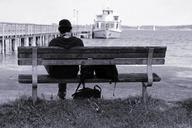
(86, 92)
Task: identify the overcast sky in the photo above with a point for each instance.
(132, 12)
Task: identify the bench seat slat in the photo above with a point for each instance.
(104, 49)
(91, 55)
(123, 61)
(92, 52)
(132, 77)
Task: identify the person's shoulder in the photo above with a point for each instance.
(75, 38)
(54, 41)
(78, 41)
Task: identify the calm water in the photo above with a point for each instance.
(179, 45)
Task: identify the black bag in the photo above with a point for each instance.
(60, 71)
(87, 93)
(106, 72)
(86, 72)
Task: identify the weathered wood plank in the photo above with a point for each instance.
(124, 61)
(27, 61)
(91, 55)
(157, 49)
(132, 77)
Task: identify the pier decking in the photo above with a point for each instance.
(13, 35)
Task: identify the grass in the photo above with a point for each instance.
(119, 113)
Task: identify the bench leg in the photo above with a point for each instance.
(62, 90)
(34, 92)
(34, 74)
(144, 93)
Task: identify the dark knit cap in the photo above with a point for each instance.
(64, 26)
(64, 23)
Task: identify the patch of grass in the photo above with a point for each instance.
(119, 113)
(187, 104)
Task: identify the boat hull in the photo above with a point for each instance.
(106, 34)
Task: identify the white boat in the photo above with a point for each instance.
(107, 25)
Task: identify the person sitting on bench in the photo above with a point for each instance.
(67, 41)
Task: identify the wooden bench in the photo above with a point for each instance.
(91, 56)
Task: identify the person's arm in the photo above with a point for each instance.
(52, 43)
(81, 43)
(56, 42)
(75, 42)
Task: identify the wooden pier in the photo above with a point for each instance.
(13, 35)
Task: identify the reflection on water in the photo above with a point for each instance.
(8, 59)
(179, 45)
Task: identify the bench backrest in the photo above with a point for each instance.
(91, 55)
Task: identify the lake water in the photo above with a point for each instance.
(179, 45)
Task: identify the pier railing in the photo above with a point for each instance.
(13, 35)
(8, 29)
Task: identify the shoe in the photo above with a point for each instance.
(61, 90)
(61, 95)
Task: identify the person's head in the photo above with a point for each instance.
(64, 26)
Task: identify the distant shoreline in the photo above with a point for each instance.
(158, 27)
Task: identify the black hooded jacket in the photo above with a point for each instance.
(64, 71)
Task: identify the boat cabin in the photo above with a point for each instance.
(107, 12)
